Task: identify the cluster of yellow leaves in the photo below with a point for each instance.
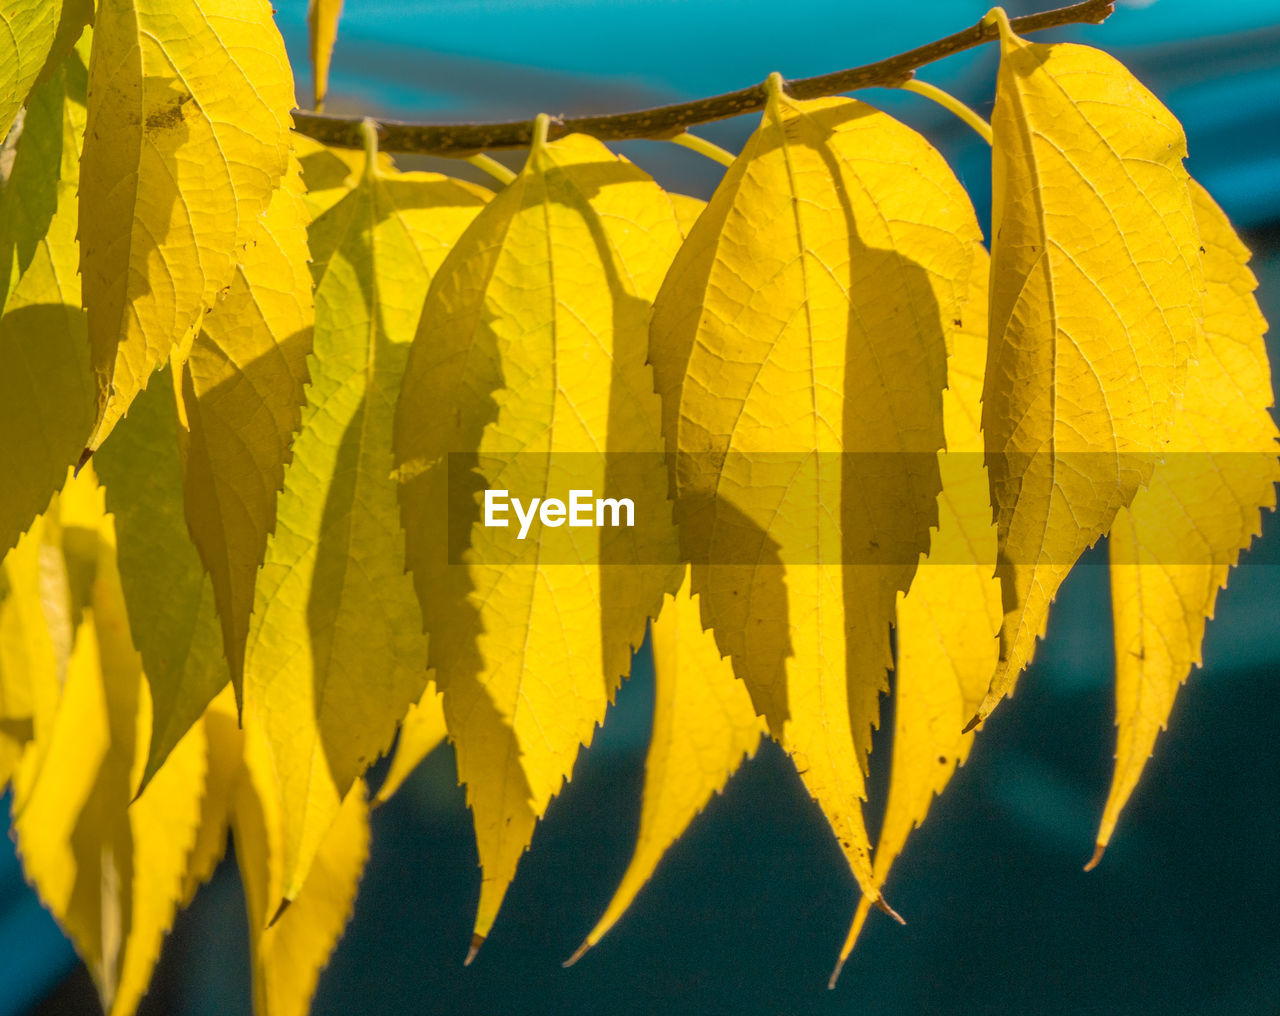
(294, 370)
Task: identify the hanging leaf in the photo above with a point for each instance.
(799, 347)
(1172, 550)
(335, 656)
(225, 739)
(46, 388)
(421, 733)
(35, 606)
(243, 395)
(111, 872)
(1095, 286)
(37, 35)
(948, 622)
(170, 599)
(322, 23)
(704, 727)
(529, 369)
(188, 135)
(289, 952)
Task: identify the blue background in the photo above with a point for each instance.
(748, 910)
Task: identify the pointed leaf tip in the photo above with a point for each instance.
(1098, 850)
(280, 912)
(578, 953)
(835, 974)
(882, 905)
(477, 940)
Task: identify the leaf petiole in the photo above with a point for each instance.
(493, 167)
(950, 103)
(703, 147)
(369, 135)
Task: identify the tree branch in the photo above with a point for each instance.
(461, 139)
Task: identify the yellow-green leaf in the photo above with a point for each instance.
(948, 621)
(46, 388)
(704, 726)
(289, 952)
(36, 35)
(1172, 549)
(243, 393)
(421, 733)
(799, 347)
(1095, 286)
(187, 137)
(322, 22)
(530, 368)
(110, 871)
(170, 599)
(335, 654)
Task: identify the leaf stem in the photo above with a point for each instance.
(493, 167)
(668, 121)
(369, 142)
(703, 147)
(950, 103)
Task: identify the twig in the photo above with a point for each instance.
(461, 139)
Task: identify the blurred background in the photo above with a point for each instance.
(748, 911)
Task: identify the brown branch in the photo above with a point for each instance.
(459, 139)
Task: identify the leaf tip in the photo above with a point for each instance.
(1098, 850)
(577, 954)
(835, 974)
(882, 905)
(477, 940)
(284, 905)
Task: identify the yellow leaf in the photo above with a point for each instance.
(1095, 289)
(169, 597)
(110, 872)
(33, 659)
(164, 823)
(1172, 549)
(335, 653)
(221, 722)
(243, 394)
(798, 344)
(704, 726)
(949, 620)
(187, 136)
(46, 388)
(289, 953)
(329, 174)
(26, 648)
(322, 21)
(37, 626)
(687, 211)
(36, 35)
(530, 367)
(421, 733)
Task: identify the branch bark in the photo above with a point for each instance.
(461, 139)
